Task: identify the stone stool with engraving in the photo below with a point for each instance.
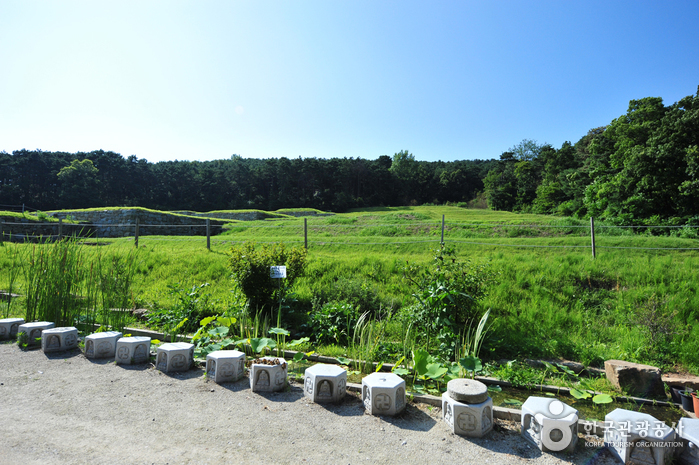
(59, 339)
(268, 374)
(467, 409)
(549, 424)
(325, 383)
(131, 350)
(635, 437)
(34, 330)
(101, 345)
(383, 393)
(688, 431)
(175, 356)
(9, 327)
(225, 366)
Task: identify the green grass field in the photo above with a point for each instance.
(551, 299)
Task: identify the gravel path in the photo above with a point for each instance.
(66, 409)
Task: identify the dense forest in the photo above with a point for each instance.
(58, 180)
(641, 168)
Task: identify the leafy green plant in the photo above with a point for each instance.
(22, 339)
(447, 295)
(191, 305)
(333, 322)
(251, 270)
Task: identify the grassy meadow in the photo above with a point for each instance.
(549, 299)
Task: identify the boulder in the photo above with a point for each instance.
(636, 379)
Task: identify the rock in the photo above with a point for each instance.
(675, 379)
(468, 391)
(636, 379)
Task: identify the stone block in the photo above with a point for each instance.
(634, 437)
(383, 393)
(101, 345)
(268, 374)
(634, 378)
(59, 339)
(132, 350)
(688, 432)
(175, 356)
(471, 420)
(225, 366)
(9, 327)
(34, 330)
(325, 383)
(468, 391)
(549, 424)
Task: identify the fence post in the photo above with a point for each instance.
(592, 235)
(442, 229)
(305, 233)
(60, 229)
(2, 231)
(135, 242)
(208, 234)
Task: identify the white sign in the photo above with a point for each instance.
(277, 272)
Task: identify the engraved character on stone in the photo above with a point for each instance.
(179, 362)
(123, 353)
(279, 378)
(71, 340)
(382, 402)
(466, 421)
(211, 369)
(309, 385)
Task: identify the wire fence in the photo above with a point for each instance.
(299, 233)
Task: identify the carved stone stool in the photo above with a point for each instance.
(101, 345)
(269, 375)
(635, 437)
(9, 327)
(34, 330)
(131, 350)
(325, 383)
(383, 393)
(59, 339)
(471, 420)
(175, 356)
(225, 366)
(549, 424)
(688, 431)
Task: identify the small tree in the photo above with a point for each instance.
(251, 267)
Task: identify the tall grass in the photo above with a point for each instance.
(546, 302)
(53, 275)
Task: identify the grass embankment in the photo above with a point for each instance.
(638, 305)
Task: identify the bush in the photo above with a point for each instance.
(251, 266)
(333, 322)
(190, 304)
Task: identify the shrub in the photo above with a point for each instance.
(191, 305)
(447, 297)
(333, 322)
(251, 265)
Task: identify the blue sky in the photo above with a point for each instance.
(166, 80)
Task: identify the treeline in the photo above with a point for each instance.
(643, 168)
(59, 180)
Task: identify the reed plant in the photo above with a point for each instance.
(14, 256)
(54, 274)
